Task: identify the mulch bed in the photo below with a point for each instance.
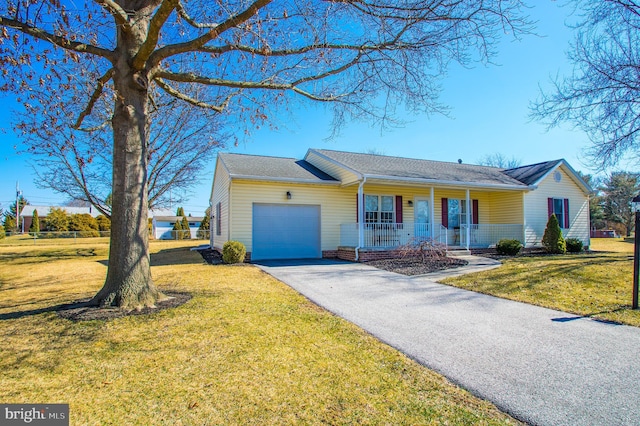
(210, 256)
(82, 311)
(415, 266)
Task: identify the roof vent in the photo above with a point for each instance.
(459, 160)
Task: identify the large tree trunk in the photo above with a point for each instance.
(129, 284)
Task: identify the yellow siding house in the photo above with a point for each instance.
(363, 206)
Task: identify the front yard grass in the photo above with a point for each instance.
(596, 284)
(246, 349)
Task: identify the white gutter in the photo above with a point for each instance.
(360, 207)
(455, 184)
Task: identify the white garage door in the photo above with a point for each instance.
(284, 231)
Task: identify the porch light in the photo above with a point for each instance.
(410, 203)
(635, 207)
(288, 195)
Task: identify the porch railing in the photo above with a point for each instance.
(489, 234)
(383, 235)
(390, 235)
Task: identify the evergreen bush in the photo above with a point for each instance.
(2, 235)
(180, 212)
(34, 228)
(177, 230)
(552, 240)
(186, 230)
(574, 245)
(104, 223)
(10, 224)
(508, 247)
(204, 229)
(233, 252)
(84, 224)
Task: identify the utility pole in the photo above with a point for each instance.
(18, 193)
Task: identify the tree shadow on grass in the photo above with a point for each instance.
(173, 256)
(84, 310)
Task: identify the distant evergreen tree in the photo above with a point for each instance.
(552, 240)
(186, 229)
(57, 220)
(10, 224)
(180, 212)
(104, 224)
(2, 235)
(34, 228)
(85, 224)
(204, 229)
(177, 230)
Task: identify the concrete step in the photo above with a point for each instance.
(458, 252)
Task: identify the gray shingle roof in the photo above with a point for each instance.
(277, 168)
(398, 167)
(532, 173)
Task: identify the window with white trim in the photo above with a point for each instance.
(379, 209)
(458, 212)
(559, 211)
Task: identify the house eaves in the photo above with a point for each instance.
(283, 179)
(446, 183)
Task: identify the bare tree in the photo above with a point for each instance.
(78, 163)
(105, 60)
(602, 93)
(617, 191)
(499, 160)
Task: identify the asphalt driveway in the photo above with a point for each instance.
(541, 366)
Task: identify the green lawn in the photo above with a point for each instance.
(596, 284)
(245, 349)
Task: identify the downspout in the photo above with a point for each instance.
(360, 207)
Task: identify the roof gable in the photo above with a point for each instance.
(273, 168)
(533, 174)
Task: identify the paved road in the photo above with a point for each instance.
(541, 366)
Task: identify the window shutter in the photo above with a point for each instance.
(474, 217)
(445, 212)
(398, 208)
(550, 206)
(566, 213)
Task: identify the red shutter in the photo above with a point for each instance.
(566, 213)
(550, 206)
(474, 218)
(398, 208)
(445, 212)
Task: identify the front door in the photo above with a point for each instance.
(422, 218)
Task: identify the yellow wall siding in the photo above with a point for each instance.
(329, 167)
(337, 206)
(536, 208)
(220, 194)
(507, 208)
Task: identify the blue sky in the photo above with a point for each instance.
(489, 108)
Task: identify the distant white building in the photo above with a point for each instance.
(163, 225)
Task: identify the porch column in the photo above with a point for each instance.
(468, 219)
(360, 207)
(432, 214)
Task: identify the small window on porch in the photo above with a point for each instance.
(379, 209)
(457, 214)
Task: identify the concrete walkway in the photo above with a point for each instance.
(541, 366)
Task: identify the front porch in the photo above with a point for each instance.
(390, 236)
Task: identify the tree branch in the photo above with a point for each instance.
(153, 35)
(118, 13)
(177, 94)
(94, 98)
(176, 49)
(57, 40)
